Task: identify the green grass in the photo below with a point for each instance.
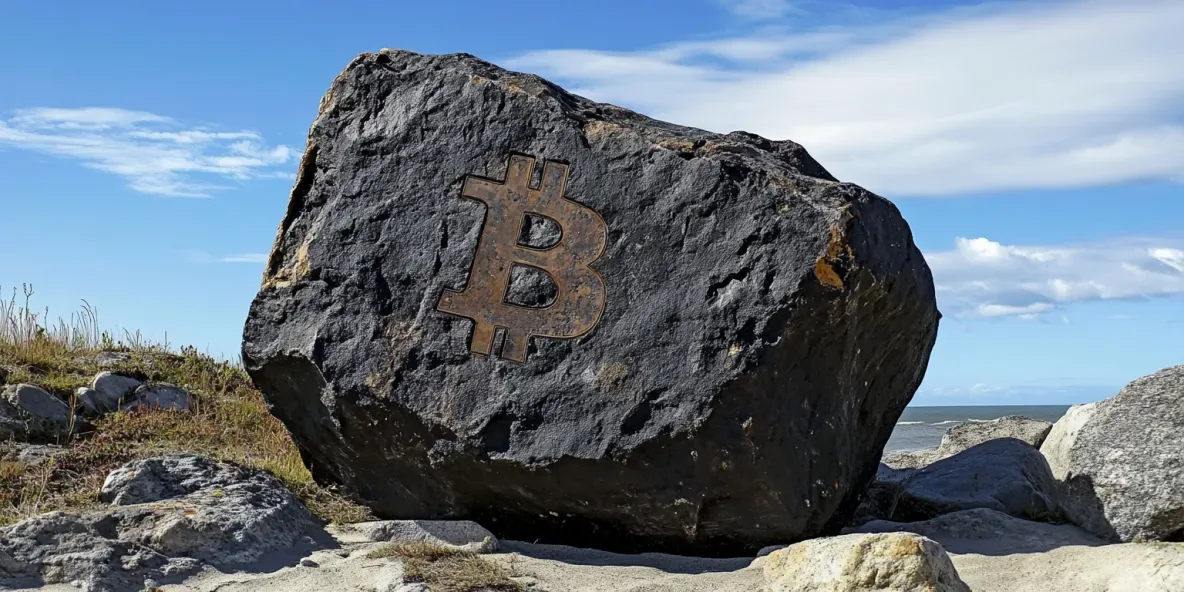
(229, 420)
(447, 569)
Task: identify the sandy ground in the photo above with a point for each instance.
(986, 565)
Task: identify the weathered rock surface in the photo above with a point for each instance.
(171, 515)
(1121, 461)
(1019, 427)
(985, 531)
(967, 435)
(229, 515)
(170, 476)
(462, 534)
(35, 454)
(763, 325)
(1004, 474)
(896, 562)
(1057, 447)
(65, 548)
(160, 396)
(30, 412)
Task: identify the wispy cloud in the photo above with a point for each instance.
(153, 153)
(994, 97)
(984, 278)
(198, 256)
(758, 9)
(1016, 394)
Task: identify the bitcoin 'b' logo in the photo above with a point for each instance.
(581, 295)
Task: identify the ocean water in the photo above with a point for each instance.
(922, 427)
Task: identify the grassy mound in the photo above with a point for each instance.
(229, 421)
(446, 569)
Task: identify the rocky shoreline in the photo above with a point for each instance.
(985, 511)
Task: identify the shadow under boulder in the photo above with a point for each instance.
(988, 532)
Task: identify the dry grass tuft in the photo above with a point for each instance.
(447, 569)
(229, 420)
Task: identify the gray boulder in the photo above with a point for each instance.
(170, 515)
(160, 396)
(743, 330)
(461, 534)
(1019, 427)
(106, 393)
(30, 412)
(987, 532)
(1006, 474)
(35, 454)
(1121, 461)
(224, 514)
(967, 435)
(107, 359)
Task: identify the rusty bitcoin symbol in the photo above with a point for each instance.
(581, 296)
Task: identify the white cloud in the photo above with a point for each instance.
(758, 9)
(1044, 393)
(198, 256)
(245, 258)
(153, 153)
(983, 278)
(994, 97)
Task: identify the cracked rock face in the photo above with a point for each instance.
(169, 515)
(1121, 461)
(763, 324)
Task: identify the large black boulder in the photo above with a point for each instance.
(747, 329)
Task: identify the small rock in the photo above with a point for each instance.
(306, 562)
(968, 435)
(893, 562)
(109, 391)
(159, 396)
(1007, 475)
(390, 578)
(462, 534)
(106, 359)
(413, 587)
(30, 411)
(90, 401)
(1121, 461)
(35, 454)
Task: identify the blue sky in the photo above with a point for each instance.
(1036, 149)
